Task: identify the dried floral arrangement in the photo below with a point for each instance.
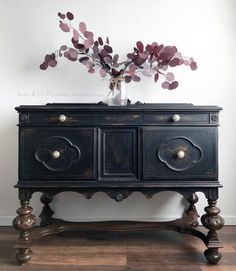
(152, 60)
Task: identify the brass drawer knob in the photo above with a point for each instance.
(56, 154)
(180, 154)
(62, 118)
(176, 117)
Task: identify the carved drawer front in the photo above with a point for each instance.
(57, 153)
(179, 153)
(118, 154)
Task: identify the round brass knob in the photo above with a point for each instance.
(62, 118)
(119, 197)
(176, 117)
(180, 154)
(56, 154)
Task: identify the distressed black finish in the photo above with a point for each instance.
(145, 148)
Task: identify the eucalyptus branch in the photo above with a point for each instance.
(99, 54)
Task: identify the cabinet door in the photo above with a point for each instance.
(57, 153)
(183, 153)
(118, 154)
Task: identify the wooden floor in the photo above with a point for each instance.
(140, 251)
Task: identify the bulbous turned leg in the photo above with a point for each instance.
(214, 222)
(213, 255)
(47, 212)
(192, 210)
(23, 223)
(24, 255)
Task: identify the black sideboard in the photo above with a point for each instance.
(89, 148)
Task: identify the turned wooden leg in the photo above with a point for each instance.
(23, 223)
(192, 210)
(212, 221)
(47, 212)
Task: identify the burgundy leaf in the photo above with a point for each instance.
(138, 61)
(100, 41)
(75, 35)
(157, 49)
(131, 56)
(87, 43)
(132, 67)
(95, 49)
(156, 77)
(52, 63)
(63, 47)
(165, 85)
(181, 61)
(108, 59)
(66, 54)
(170, 76)
(167, 53)
(128, 79)
(149, 47)
(82, 27)
(174, 62)
(103, 73)
(103, 53)
(70, 16)
(43, 66)
(173, 85)
(73, 53)
(91, 70)
(84, 58)
(108, 49)
(193, 66)
(53, 56)
(61, 15)
(47, 58)
(165, 67)
(115, 58)
(88, 34)
(140, 46)
(64, 27)
(80, 47)
(107, 40)
(143, 56)
(136, 78)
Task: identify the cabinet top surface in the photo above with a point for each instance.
(130, 107)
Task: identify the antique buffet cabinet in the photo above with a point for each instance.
(147, 148)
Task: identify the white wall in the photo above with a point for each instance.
(199, 28)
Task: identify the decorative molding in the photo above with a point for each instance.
(68, 154)
(168, 153)
(7, 220)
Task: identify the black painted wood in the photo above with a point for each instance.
(147, 148)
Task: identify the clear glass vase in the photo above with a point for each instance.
(117, 95)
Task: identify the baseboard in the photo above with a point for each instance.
(7, 220)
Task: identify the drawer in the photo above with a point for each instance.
(179, 153)
(57, 153)
(61, 118)
(177, 118)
